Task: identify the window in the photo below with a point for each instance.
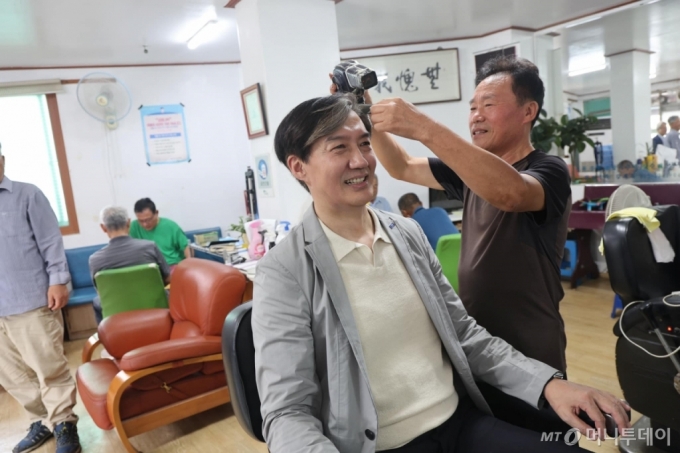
(33, 146)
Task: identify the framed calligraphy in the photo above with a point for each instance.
(418, 77)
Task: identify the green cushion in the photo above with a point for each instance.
(448, 252)
(130, 288)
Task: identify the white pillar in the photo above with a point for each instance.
(289, 47)
(631, 104)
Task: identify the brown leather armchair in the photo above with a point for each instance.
(167, 363)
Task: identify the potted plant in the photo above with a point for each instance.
(544, 132)
(569, 133)
(240, 228)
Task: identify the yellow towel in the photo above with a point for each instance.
(646, 216)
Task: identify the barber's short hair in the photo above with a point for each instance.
(625, 165)
(672, 119)
(526, 83)
(312, 120)
(144, 204)
(114, 218)
(407, 201)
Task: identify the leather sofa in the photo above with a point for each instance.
(167, 363)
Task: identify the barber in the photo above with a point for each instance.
(516, 204)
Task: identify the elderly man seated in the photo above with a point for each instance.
(361, 344)
(123, 251)
(434, 221)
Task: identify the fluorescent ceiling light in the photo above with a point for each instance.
(209, 31)
(579, 72)
(585, 21)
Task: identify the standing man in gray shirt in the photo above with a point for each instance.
(33, 278)
(123, 251)
(673, 137)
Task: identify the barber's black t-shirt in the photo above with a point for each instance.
(509, 272)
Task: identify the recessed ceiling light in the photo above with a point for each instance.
(579, 72)
(585, 21)
(206, 33)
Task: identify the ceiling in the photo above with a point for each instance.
(90, 33)
(42, 33)
(369, 23)
(654, 27)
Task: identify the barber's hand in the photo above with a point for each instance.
(567, 399)
(400, 118)
(57, 297)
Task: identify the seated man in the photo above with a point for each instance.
(123, 251)
(435, 221)
(379, 202)
(167, 235)
(627, 170)
(361, 344)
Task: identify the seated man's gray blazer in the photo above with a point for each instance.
(311, 373)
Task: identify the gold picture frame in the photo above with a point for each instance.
(253, 110)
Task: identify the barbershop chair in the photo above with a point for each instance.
(130, 288)
(238, 354)
(167, 363)
(448, 253)
(642, 283)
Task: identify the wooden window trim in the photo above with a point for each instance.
(53, 108)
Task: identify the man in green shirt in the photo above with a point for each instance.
(167, 235)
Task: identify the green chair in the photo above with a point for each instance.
(448, 253)
(130, 288)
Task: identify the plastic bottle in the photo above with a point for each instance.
(282, 231)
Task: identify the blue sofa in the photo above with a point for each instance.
(78, 265)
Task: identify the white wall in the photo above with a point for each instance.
(453, 115)
(110, 167)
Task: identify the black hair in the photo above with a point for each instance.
(526, 83)
(407, 201)
(144, 204)
(312, 120)
(625, 165)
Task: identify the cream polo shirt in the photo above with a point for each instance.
(409, 372)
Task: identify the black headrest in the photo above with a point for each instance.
(633, 270)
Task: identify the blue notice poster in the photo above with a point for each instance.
(165, 134)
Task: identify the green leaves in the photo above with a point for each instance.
(567, 132)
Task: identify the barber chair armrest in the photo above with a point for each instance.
(89, 347)
(170, 351)
(130, 330)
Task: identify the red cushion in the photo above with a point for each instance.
(94, 379)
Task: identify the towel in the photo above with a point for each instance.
(663, 251)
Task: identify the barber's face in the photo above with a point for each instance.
(496, 120)
(663, 129)
(339, 171)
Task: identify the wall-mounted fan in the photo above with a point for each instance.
(104, 97)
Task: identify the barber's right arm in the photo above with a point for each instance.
(289, 390)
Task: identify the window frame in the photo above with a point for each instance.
(60, 149)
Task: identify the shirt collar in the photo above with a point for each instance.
(6, 184)
(418, 209)
(342, 247)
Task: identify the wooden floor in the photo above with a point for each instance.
(590, 358)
